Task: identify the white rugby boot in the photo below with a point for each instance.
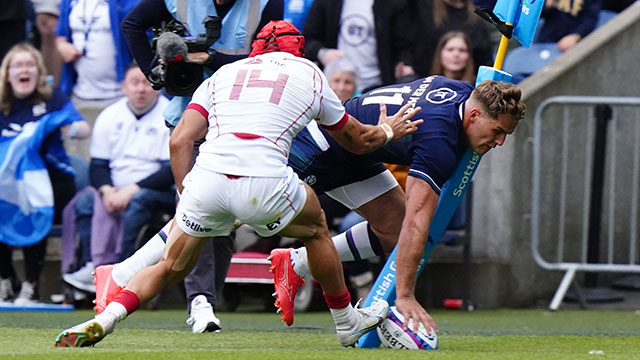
(202, 318)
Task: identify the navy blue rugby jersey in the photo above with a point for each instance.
(432, 152)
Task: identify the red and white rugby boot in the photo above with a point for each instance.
(286, 282)
(106, 287)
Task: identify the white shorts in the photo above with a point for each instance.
(211, 202)
(359, 193)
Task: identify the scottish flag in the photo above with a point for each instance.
(26, 195)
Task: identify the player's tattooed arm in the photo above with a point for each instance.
(362, 138)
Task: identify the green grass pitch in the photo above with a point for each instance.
(500, 334)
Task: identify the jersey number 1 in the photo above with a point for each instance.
(276, 86)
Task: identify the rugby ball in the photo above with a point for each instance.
(393, 336)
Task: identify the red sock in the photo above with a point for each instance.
(129, 300)
(338, 301)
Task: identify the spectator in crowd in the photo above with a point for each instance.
(25, 97)
(566, 22)
(13, 19)
(372, 34)
(434, 18)
(342, 75)
(241, 25)
(93, 49)
(453, 57)
(47, 12)
(129, 168)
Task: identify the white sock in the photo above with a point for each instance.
(299, 262)
(353, 244)
(344, 317)
(113, 313)
(147, 255)
(357, 243)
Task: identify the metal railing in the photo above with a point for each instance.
(586, 173)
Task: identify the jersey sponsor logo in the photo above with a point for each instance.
(310, 180)
(194, 225)
(273, 225)
(441, 95)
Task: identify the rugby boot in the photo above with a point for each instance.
(106, 287)
(86, 334)
(363, 321)
(286, 282)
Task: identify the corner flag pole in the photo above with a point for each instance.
(455, 188)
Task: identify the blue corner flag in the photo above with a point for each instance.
(524, 16)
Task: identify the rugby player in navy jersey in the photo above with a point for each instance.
(456, 118)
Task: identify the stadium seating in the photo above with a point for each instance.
(522, 62)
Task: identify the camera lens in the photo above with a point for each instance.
(183, 79)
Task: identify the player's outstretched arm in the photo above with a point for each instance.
(422, 201)
(362, 138)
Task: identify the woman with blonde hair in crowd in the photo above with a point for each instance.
(25, 97)
(453, 57)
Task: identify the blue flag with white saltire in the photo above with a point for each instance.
(26, 195)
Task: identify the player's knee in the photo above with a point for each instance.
(387, 233)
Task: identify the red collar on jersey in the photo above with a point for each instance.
(278, 36)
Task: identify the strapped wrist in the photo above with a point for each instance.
(388, 131)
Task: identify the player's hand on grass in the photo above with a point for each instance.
(400, 122)
(412, 310)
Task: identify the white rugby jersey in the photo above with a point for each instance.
(134, 147)
(256, 106)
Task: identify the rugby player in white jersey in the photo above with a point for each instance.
(250, 111)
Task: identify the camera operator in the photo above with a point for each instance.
(241, 21)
